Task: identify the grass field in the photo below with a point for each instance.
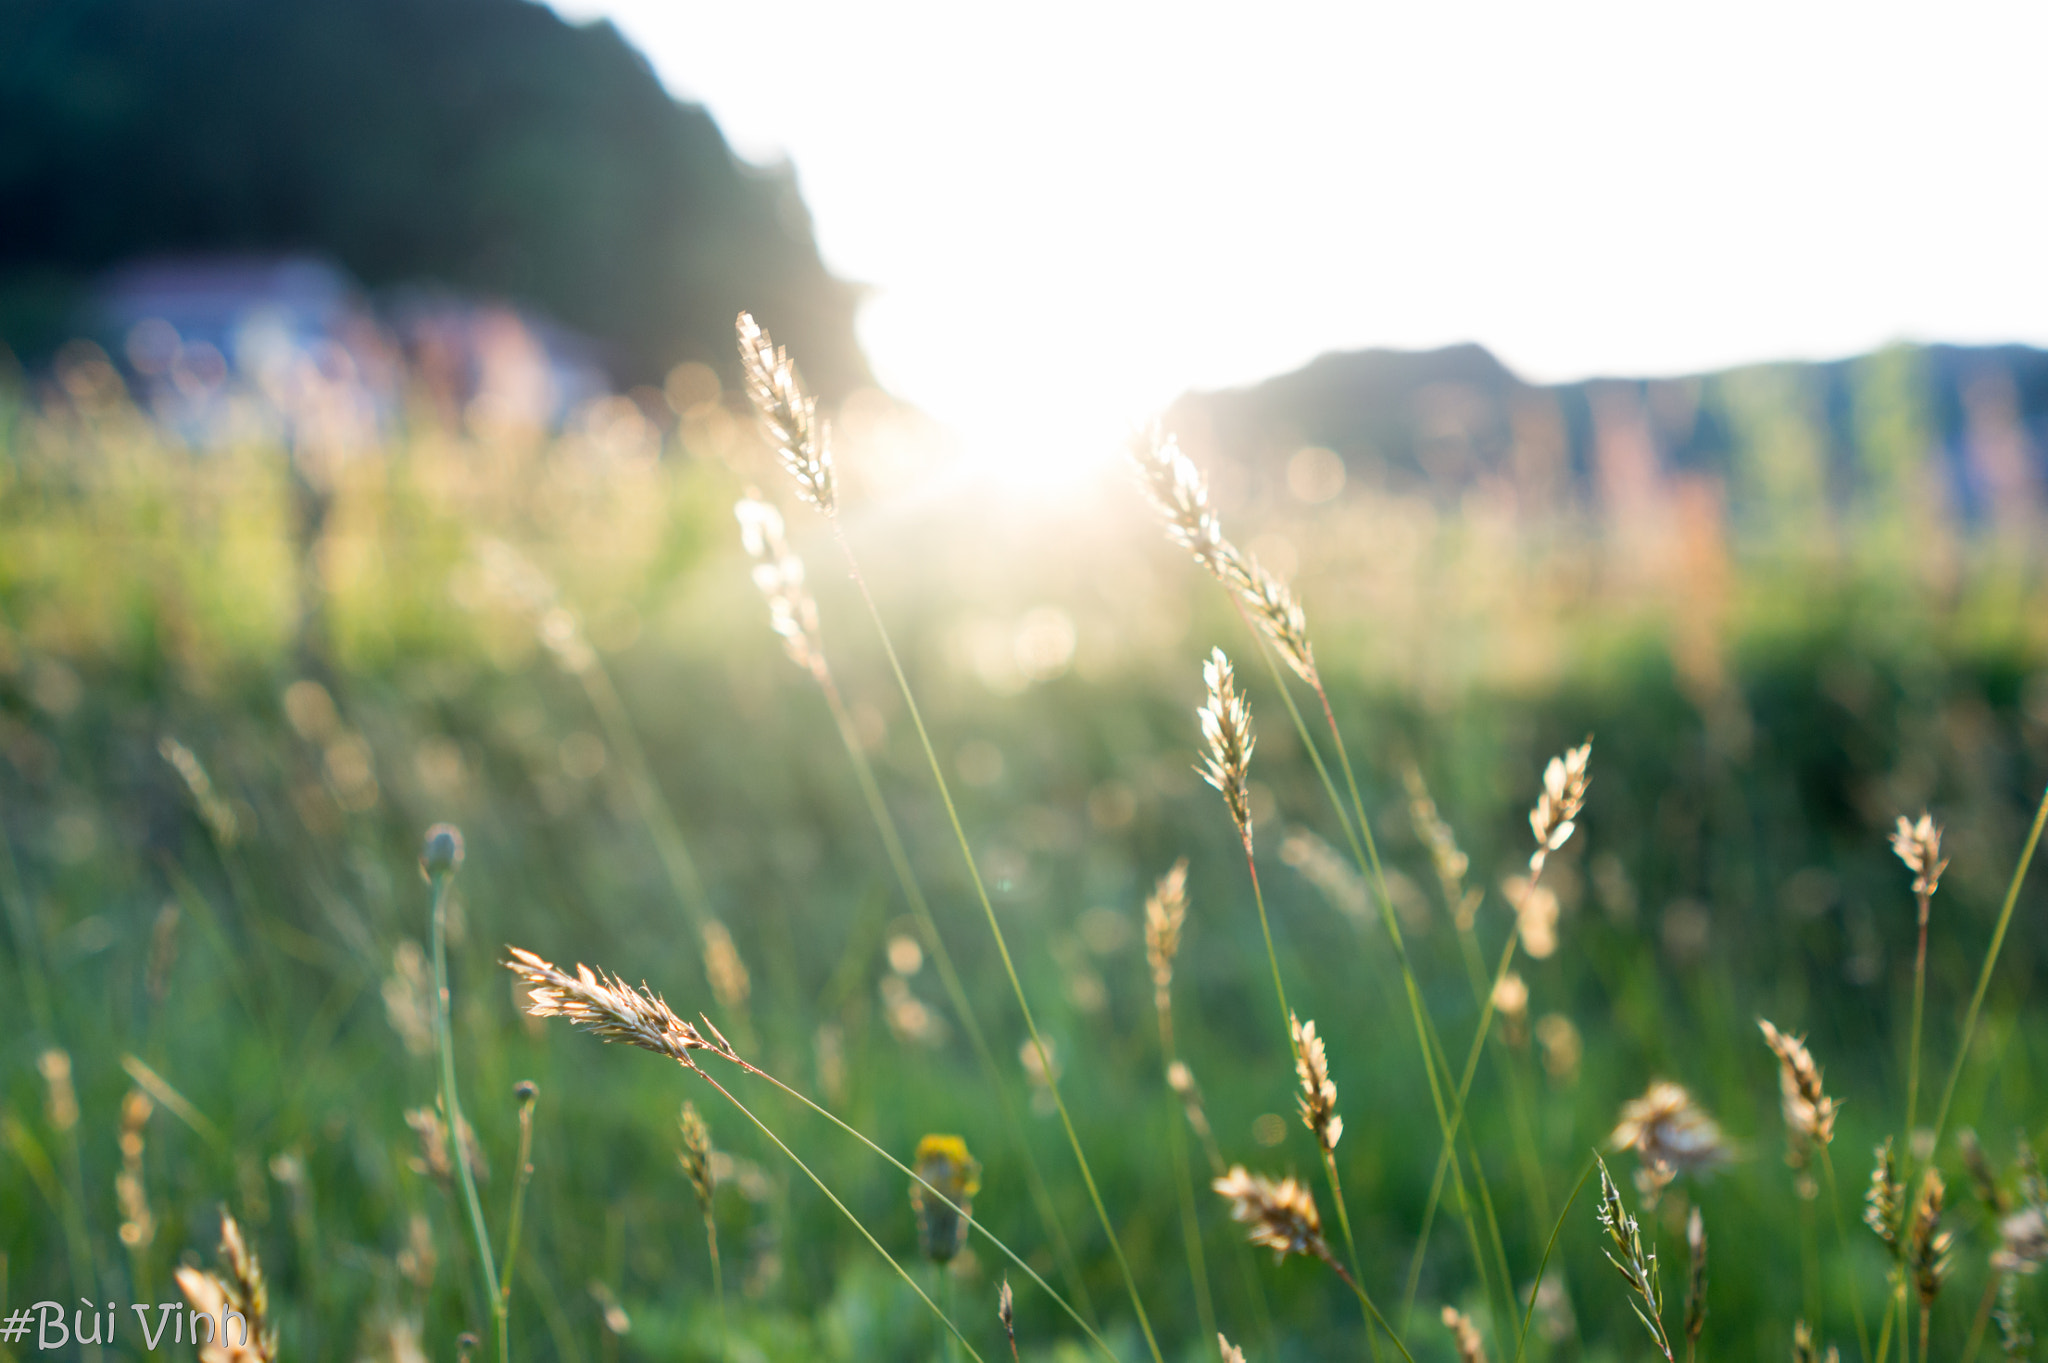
(242, 673)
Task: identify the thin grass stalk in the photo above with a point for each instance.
(1190, 1223)
(2012, 896)
(1329, 1159)
(956, 994)
(1417, 1012)
(451, 1106)
(69, 1208)
(1002, 946)
(936, 1193)
(901, 1272)
(1809, 1261)
(1919, 1009)
(522, 1175)
(1183, 1176)
(718, 1285)
(1372, 1312)
(1255, 1288)
(1522, 1335)
(28, 946)
(1884, 1336)
(653, 806)
(1827, 1165)
(1525, 1140)
(1982, 1320)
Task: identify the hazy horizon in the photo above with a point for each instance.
(1594, 189)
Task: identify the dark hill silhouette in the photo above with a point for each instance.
(1967, 423)
(482, 144)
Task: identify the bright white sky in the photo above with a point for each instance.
(1070, 212)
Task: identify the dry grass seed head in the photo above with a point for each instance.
(1670, 1133)
(1227, 727)
(1918, 844)
(723, 969)
(1166, 910)
(607, 1007)
(779, 574)
(138, 1225)
(696, 1155)
(789, 415)
(1884, 1205)
(1983, 1180)
(1558, 807)
(1282, 1216)
(1696, 1275)
(1318, 1099)
(2022, 1242)
(1231, 1353)
(60, 1099)
(239, 1286)
(1180, 492)
(1450, 863)
(1465, 1335)
(1928, 1246)
(1809, 1112)
(1636, 1264)
(1804, 1349)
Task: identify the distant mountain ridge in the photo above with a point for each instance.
(1968, 423)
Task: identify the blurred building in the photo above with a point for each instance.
(189, 330)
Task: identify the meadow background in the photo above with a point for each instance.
(269, 611)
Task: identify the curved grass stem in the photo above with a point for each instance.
(866, 1234)
(2012, 896)
(1002, 946)
(956, 993)
(451, 1109)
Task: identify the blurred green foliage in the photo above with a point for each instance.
(345, 685)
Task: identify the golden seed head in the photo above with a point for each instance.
(60, 1099)
(1918, 844)
(1227, 727)
(1471, 1349)
(2022, 1242)
(1181, 494)
(1557, 808)
(238, 1286)
(789, 416)
(1511, 998)
(779, 574)
(696, 1155)
(1282, 1215)
(607, 1007)
(1166, 909)
(1536, 909)
(1809, 1112)
(723, 969)
(1636, 1263)
(1804, 1350)
(1670, 1133)
(1884, 1205)
(1318, 1098)
(1927, 1245)
(1451, 864)
(1231, 1353)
